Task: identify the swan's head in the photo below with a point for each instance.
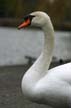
(36, 19)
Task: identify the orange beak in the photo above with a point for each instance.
(24, 24)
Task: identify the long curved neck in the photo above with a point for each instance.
(40, 67)
(43, 62)
(48, 47)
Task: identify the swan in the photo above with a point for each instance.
(41, 84)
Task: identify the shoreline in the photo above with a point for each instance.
(31, 62)
(10, 22)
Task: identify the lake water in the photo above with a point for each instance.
(16, 44)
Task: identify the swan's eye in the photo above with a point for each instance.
(28, 17)
(26, 22)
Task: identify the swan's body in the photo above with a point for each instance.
(51, 87)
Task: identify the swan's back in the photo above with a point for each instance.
(62, 72)
(55, 87)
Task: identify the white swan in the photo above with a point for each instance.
(51, 87)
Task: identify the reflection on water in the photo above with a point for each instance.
(16, 44)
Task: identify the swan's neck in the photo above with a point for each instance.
(43, 62)
(40, 67)
(48, 47)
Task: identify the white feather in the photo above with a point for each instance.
(51, 87)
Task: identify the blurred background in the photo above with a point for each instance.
(59, 11)
(20, 48)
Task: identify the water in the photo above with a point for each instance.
(16, 44)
